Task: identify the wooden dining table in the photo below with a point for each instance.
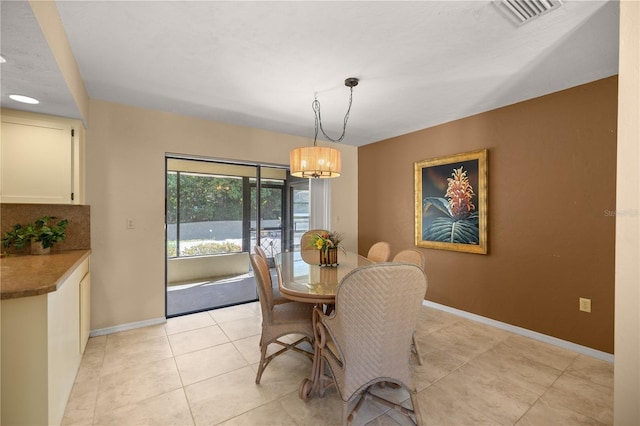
(303, 280)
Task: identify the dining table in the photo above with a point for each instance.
(303, 280)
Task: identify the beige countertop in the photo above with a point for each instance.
(23, 276)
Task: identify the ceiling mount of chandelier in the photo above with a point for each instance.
(321, 162)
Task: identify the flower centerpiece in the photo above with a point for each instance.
(327, 243)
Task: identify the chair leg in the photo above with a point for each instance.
(263, 363)
(397, 407)
(322, 380)
(415, 348)
(416, 407)
(265, 360)
(351, 416)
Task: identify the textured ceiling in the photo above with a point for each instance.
(260, 64)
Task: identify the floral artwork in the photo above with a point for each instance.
(451, 202)
(459, 220)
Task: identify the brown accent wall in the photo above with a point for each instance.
(551, 223)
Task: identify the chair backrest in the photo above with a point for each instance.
(260, 252)
(410, 256)
(263, 282)
(376, 311)
(379, 252)
(306, 238)
(308, 253)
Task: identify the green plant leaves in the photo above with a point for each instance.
(439, 203)
(43, 230)
(446, 229)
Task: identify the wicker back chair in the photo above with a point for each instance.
(410, 256)
(260, 252)
(279, 320)
(379, 252)
(366, 339)
(278, 298)
(307, 252)
(417, 258)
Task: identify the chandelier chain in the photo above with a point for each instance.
(318, 120)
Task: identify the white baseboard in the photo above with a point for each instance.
(524, 332)
(468, 315)
(128, 326)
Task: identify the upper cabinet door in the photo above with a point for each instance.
(37, 159)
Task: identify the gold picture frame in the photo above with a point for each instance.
(451, 202)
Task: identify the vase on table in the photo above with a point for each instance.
(329, 257)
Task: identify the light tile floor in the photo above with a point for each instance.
(200, 369)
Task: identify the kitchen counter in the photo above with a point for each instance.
(45, 324)
(24, 276)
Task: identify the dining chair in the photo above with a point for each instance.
(308, 253)
(366, 340)
(379, 252)
(410, 256)
(260, 252)
(278, 298)
(417, 258)
(280, 320)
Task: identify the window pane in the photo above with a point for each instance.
(172, 213)
(300, 201)
(210, 214)
(271, 216)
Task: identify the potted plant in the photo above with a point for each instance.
(41, 235)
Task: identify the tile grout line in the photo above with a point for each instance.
(567, 371)
(95, 402)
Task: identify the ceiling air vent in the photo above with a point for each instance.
(522, 11)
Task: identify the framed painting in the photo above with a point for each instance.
(451, 202)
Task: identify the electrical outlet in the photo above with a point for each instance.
(131, 224)
(585, 304)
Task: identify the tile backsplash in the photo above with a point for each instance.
(78, 232)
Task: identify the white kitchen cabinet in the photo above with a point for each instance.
(41, 350)
(85, 310)
(41, 159)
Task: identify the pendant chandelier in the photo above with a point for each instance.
(316, 161)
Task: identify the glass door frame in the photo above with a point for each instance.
(286, 208)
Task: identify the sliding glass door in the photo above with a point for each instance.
(268, 232)
(215, 214)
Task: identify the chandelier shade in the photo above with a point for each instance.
(315, 162)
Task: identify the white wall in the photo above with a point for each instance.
(125, 175)
(627, 316)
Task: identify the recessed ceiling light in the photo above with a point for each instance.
(24, 99)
